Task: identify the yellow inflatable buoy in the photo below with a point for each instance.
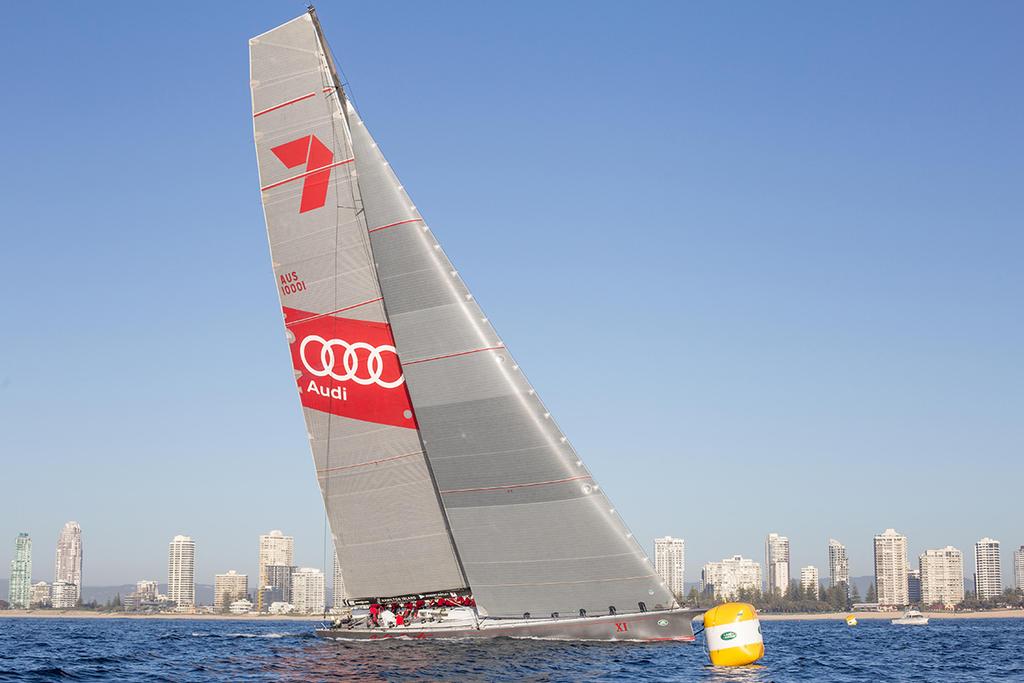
(851, 620)
(733, 634)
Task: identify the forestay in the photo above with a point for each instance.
(383, 508)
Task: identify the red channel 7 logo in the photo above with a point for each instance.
(318, 160)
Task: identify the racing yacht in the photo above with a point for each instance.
(456, 504)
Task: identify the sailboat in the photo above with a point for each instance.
(457, 506)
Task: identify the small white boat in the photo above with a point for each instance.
(911, 618)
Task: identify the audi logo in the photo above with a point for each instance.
(350, 362)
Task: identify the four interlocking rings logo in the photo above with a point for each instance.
(350, 362)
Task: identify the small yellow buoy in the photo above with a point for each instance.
(851, 620)
(733, 634)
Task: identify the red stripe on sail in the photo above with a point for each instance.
(391, 225)
(283, 104)
(365, 464)
(307, 173)
(340, 310)
(452, 355)
(517, 486)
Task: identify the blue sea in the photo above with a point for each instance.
(173, 650)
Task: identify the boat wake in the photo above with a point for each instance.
(272, 635)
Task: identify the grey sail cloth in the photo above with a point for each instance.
(383, 508)
(534, 531)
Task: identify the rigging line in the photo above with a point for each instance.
(325, 560)
(329, 90)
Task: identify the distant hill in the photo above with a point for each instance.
(861, 582)
(103, 594)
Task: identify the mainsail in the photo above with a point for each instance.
(382, 506)
(497, 497)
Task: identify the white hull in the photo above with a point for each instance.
(661, 625)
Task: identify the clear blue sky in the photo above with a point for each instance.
(762, 261)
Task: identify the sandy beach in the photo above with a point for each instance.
(89, 614)
(862, 616)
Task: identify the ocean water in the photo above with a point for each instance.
(172, 650)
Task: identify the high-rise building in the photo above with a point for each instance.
(914, 586)
(776, 560)
(146, 590)
(64, 595)
(728, 577)
(67, 565)
(308, 590)
(809, 581)
(19, 592)
(40, 595)
(670, 562)
(275, 549)
(228, 588)
(988, 576)
(181, 573)
(838, 565)
(942, 577)
(891, 569)
(339, 584)
(278, 577)
(1018, 568)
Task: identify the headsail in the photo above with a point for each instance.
(383, 508)
(534, 531)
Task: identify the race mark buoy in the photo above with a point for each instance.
(733, 634)
(851, 620)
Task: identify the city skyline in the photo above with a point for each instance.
(843, 286)
(1008, 563)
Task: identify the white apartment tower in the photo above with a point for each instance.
(229, 587)
(275, 549)
(942, 577)
(1018, 568)
(670, 562)
(64, 595)
(891, 569)
(838, 565)
(776, 560)
(278, 550)
(988, 577)
(181, 572)
(67, 565)
(339, 584)
(728, 577)
(308, 590)
(810, 582)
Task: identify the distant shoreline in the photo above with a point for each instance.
(864, 616)
(89, 614)
(815, 616)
